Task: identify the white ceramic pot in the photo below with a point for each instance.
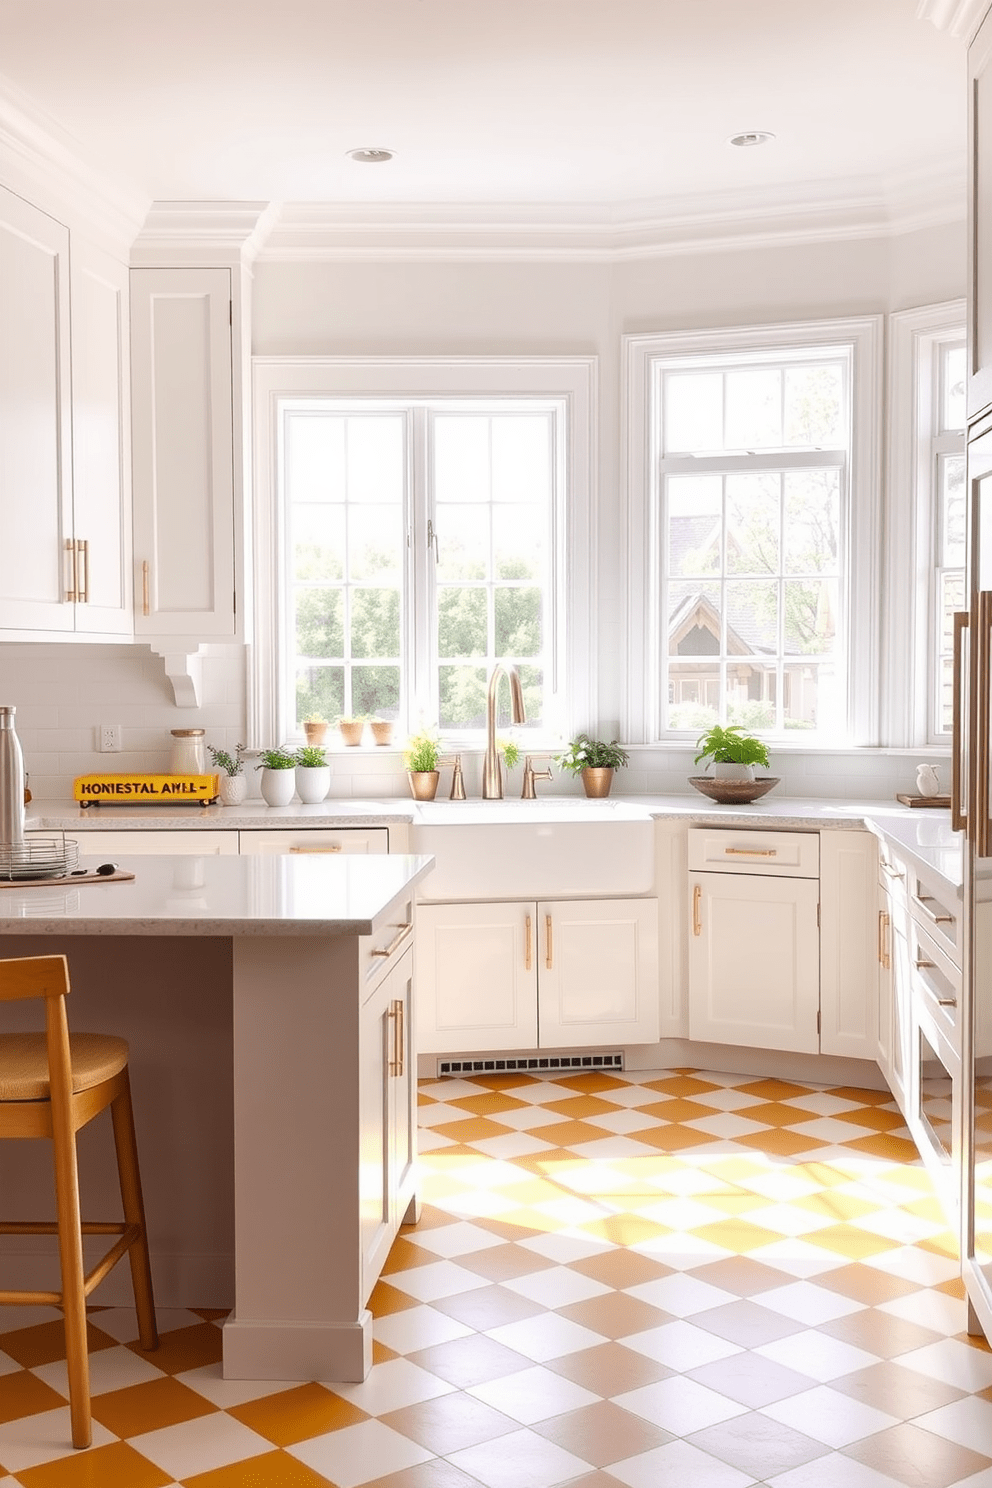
(732, 772)
(233, 789)
(278, 787)
(312, 783)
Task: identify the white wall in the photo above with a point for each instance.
(63, 691)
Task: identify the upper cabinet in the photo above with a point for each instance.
(64, 459)
(183, 456)
(980, 221)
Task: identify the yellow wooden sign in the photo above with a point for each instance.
(145, 790)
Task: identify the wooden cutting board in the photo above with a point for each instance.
(67, 880)
(924, 800)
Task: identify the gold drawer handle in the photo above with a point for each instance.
(924, 965)
(528, 944)
(549, 963)
(83, 549)
(405, 931)
(883, 926)
(697, 894)
(327, 847)
(922, 900)
(893, 872)
(751, 852)
(947, 1002)
(146, 603)
(397, 1063)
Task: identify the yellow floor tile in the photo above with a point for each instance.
(116, 1465)
(737, 1235)
(847, 1240)
(24, 1394)
(272, 1470)
(591, 1082)
(579, 1106)
(489, 1104)
(149, 1407)
(185, 1348)
(45, 1342)
(681, 1085)
(298, 1414)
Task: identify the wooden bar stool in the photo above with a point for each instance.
(51, 1085)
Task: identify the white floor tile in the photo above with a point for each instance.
(7, 1364)
(798, 1257)
(438, 1279)
(416, 1328)
(680, 1463)
(564, 1247)
(209, 1382)
(356, 1454)
(200, 1446)
(829, 1416)
(628, 1119)
(681, 1346)
(545, 1337)
(953, 1362)
(556, 1286)
(833, 1471)
(790, 1219)
(934, 1310)
(817, 1354)
(453, 1240)
(12, 1319)
(680, 1405)
(681, 1295)
(807, 1303)
(45, 1437)
(725, 1124)
(512, 1144)
(392, 1385)
(533, 1395)
(911, 1264)
(110, 1369)
(121, 1322)
(522, 1460)
(967, 1421)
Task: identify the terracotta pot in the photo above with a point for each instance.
(278, 787)
(382, 730)
(597, 782)
(233, 789)
(423, 784)
(351, 732)
(316, 732)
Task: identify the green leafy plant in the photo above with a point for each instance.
(315, 718)
(311, 757)
(584, 753)
(510, 751)
(350, 718)
(231, 764)
(731, 746)
(422, 751)
(276, 759)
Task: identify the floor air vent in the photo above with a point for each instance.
(538, 1062)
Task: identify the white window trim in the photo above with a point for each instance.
(907, 638)
(573, 379)
(641, 537)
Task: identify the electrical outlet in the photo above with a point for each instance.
(110, 738)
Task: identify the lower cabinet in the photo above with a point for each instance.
(754, 961)
(388, 1123)
(316, 840)
(200, 844)
(537, 974)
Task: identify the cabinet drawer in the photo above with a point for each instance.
(936, 983)
(386, 946)
(776, 854)
(939, 913)
(201, 843)
(893, 871)
(317, 840)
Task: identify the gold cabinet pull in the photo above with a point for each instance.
(979, 727)
(697, 894)
(922, 965)
(71, 588)
(891, 872)
(751, 852)
(958, 819)
(146, 606)
(922, 900)
(324, 847)
(528, 944)
(404, 933)
(548, 932)
(883, 928)
(398, 1063)
(83, 586)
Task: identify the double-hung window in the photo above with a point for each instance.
(414, 538)
(750, 591)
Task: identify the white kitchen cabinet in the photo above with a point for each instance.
(980, 221)
(183, 455)
(848, 938)
(64, 451)
(315, 840)
(754, 961)
(537, 974)
(387, 1122)
(126, 845)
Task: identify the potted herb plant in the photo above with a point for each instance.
(278, 777)
(230, 767)
(315, 728)
(733, 753)
(382, 730)
(313, 774)
(351, 728)
(421, 756)
(594, 760)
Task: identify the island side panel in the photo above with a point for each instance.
(170, 997)
(299, 1310)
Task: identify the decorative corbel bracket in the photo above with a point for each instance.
(184, 670)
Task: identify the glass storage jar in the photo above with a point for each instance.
(187, 755)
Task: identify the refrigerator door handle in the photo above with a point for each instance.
(959, 820)
(978, 726)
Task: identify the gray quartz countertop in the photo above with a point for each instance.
(217, 895)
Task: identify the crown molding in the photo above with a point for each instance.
(957, 17)
(203, 233)
(858, 208)
(40, 161)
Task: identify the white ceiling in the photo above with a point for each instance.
(583, 109)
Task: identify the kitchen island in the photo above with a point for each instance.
(268, 1005)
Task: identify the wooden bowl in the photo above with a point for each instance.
(734, 792)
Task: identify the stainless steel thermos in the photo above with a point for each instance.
(11, 780)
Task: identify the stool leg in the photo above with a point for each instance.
(122, 1115)
(73, 1292)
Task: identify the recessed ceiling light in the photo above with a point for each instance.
(370, 156)
(753, 137)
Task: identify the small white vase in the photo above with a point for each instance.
(927, 780)
(233, 789)
(312, 783)
(728, 771)
(278, 787)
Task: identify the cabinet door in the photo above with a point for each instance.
(101, 451)
(848, 944)
(35, 433)
(317, 840)
(476, 977)
(980, 222)
(200, 844)
(183, 452)
(598, 972)
(387, 1130)
(754, 961)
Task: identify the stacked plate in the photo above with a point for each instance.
(38, 857)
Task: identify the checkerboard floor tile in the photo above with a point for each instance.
(618, 1279)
